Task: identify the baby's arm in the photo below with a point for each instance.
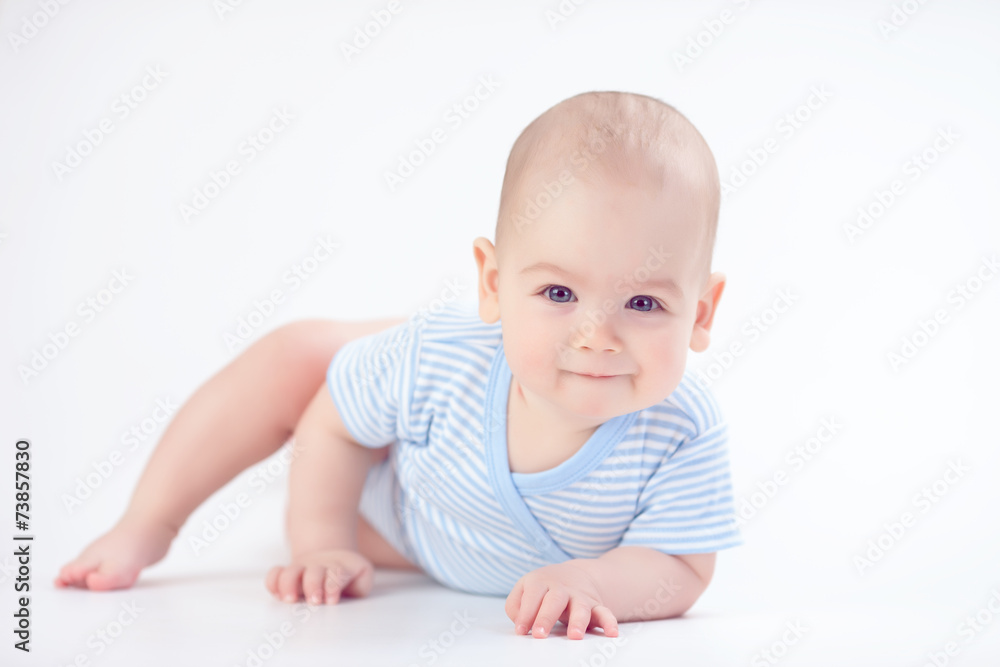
(326, 477)
(644, 584)
(625, 584)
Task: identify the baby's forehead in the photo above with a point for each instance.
(611, 225)
(670, 192)
(608, 225)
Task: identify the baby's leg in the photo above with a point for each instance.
(239, 417)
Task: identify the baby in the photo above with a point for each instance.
(550, 448)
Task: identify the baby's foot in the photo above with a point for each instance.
(115, 559)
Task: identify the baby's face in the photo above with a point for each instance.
(607, 281)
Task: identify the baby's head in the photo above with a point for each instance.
(602, 263)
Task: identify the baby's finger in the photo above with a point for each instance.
(604, 619)
(514, 601)
(333, 584)
(289, 582)
(550, 611)
(531, 599)
(312, 583)
(578, 621)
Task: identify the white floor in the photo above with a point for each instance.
(226, 618)
(813, 110)
(211, 608)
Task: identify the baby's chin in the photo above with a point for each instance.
(595, 399)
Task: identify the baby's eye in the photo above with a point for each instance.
(558, 293)
(644, 304)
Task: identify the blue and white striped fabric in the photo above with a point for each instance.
(436, 387)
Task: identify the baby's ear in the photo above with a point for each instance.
(489, 277)
(707, 304)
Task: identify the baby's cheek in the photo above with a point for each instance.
(666, 367)
(533, 350)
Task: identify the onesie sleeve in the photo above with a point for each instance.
(371, 382)
(687, 506)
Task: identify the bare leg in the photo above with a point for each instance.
(239, 417)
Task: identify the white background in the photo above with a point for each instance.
(783, 229)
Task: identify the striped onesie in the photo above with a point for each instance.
(436, 387)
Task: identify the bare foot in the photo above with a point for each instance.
(115, 559)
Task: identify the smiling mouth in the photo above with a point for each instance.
(596, 377)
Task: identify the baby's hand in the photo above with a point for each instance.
(322, 576)
(565, 592)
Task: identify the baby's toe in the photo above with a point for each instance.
(290, 583)
(108, 577)
(271, 581)
(74, 574)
